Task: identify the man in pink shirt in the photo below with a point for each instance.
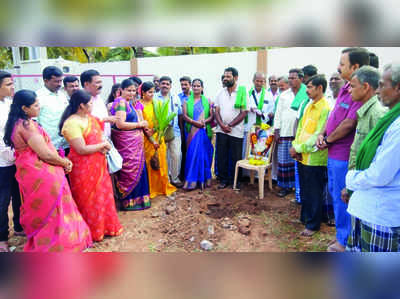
(338, 137)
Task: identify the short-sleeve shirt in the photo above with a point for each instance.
(345, 108)
(52, 106)
(175, 107)
(226, 103)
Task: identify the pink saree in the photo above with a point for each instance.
(49, 215)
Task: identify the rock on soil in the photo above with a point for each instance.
(206, 245)
(244, 225)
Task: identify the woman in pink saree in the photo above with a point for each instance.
(49, 214)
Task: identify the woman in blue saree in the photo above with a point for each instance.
(197, 116)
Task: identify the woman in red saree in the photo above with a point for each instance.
(90, 181)
(49, 214)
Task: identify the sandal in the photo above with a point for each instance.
(308, 232)
(19, 234)
(4, 247)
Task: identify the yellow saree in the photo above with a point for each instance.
(158, 179)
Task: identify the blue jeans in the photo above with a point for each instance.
(337, 171)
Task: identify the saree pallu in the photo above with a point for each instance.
(199, 154)
(91, 187)
(286, 164)
(49, 215)
(132, 179)
(158, 179)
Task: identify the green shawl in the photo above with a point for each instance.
(300, 97)
(259, 106)
(190, 107)
(241, 98)
(368, 148)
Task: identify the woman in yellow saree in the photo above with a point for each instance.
(158, 179)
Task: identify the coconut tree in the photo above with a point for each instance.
(162, 120)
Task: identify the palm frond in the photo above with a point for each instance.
(162, 118)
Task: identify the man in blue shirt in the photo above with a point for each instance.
(186, 84)
(174, 152)
(375, 204)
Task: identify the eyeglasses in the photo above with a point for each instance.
(293, 78)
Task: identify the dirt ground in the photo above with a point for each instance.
(233, 221)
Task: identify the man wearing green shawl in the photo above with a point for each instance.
(230, 112)
(290, 101)
(375, 203)
(260, 107)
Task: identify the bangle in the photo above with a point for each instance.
(326, 141)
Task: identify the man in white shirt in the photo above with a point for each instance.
(283, 84)
(8, 184)
(231, 110)
(272, 91)
(71, 84)
(284, 124)
(256, 94)
(52, 105)
(174, 151)
(92, 83)
(335, 84)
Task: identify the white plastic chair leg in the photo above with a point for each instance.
(252, 172)
(236, 175)
(261, 173)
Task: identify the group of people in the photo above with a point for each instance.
(345, 142)
(332, 149)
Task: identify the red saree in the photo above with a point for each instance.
(91, 186)
(49, 215)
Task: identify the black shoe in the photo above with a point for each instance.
(222, 186)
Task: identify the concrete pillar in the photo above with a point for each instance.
(262, 63)
(134, 66)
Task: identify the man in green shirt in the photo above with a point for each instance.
(312, 161)
(364, 83)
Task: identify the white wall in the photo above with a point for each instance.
(208, 67)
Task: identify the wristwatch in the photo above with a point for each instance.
(326, 141)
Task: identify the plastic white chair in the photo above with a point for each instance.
(260, 169)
